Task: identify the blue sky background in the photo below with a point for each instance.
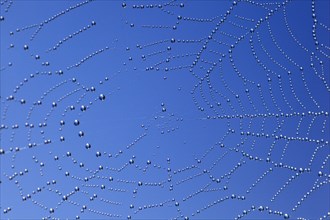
(228, 101)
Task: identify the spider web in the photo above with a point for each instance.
(176, 110)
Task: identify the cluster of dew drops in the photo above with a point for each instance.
(246, 110)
